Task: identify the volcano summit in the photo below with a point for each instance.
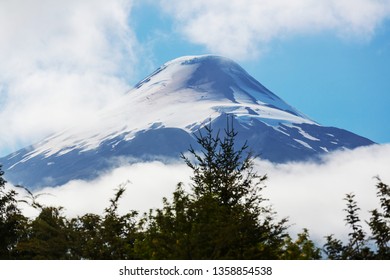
(159, 117)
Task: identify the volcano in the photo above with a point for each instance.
(159, 118)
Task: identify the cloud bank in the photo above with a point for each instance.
(60, 63)
(310, 194)
(243, 29)
(146, 184)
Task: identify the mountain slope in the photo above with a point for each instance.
(158, 118)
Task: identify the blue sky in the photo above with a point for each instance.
(64, 61)
(342, 82)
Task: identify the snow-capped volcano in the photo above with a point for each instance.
(159, 116)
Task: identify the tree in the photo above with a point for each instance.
(45, 237)
(224, 215)
(358, 246)
(11, 220)
(167, 231)
(380, 221)
(301, 249)
(107, 237)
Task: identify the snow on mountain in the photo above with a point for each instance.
(159, 116)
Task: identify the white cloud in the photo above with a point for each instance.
(310, 194)
(244, 28)
(60, 62)
(146, 184)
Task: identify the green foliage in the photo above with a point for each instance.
(334, 248)
(2, 181)
(167, 230)
(11, 220)
(223, 216)
(356, 248)
(380, 221)
(52, 236)
(359, 246)
(223, 171)
(301, 249)
(45, 237)
(110, 237)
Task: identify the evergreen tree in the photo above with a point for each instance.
(223, 216)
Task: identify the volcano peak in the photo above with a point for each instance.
(161, 115)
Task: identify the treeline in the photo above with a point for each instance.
(223, 216)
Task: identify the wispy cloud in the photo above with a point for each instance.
(60, 62)
(310, 194)
(243, 29)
